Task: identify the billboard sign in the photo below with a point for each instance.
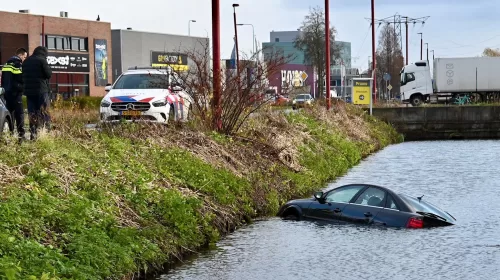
(178, 61)
(101, 62)
(68, 62)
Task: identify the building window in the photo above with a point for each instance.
(65, 43)
(59, 43)
(68, 85)
(277, 40)
(50, 42)
(83, 45)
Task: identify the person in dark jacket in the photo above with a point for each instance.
(12, 82)
(36, 76)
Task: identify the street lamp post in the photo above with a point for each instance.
(189, 26)
(236, 38)
(427, 47)
(253, 35)
(421, 45)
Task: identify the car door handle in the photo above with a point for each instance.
(337, 210)
(368, 214)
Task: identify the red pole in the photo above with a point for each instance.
(327, 45)
(407, 41)
(217, 120)
(374, 57)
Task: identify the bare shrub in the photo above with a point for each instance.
(243, 92)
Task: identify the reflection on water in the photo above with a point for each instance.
(462, 177)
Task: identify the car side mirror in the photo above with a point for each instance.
(108, 88)
(176, 87)
(2, 91)
(319, 196)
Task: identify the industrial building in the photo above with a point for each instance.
(79, 50)
(138, 48)
(297, 72)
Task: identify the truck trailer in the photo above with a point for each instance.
(455, 80)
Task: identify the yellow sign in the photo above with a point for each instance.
(175, 67)
(361, 92)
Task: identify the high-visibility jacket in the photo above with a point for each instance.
(12, 80)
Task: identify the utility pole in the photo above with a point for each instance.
(327, 46)
(374, 58)
(421, 45)
(216, 102)
(406, 23)
(432, 55)
(390, 20)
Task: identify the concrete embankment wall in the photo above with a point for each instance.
(441, 123)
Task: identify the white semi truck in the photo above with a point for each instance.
(474, 79)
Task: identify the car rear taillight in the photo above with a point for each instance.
(415, 222)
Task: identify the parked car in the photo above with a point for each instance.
(302, 100)
(367, 204)
(280, 100)
(148, 94)
(6, 123)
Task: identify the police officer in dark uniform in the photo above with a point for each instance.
(12, 82)
(36, 76)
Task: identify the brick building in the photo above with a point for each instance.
(79, 50)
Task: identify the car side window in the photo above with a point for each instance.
(343, 195)
(391, 203)
(371, 197)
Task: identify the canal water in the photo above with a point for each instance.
(462, 177)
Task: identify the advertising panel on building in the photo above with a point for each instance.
(292, 76)
(68, 62)
(101, 62)
(178, 61)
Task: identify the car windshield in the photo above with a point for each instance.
(425, 206)
(303, 96)
(142, 81)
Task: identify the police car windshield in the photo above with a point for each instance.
(142, 81)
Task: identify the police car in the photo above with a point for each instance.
(146, 94)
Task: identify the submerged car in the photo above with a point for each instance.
(148, 94)
(367, 204)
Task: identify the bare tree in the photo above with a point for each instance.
(242, 94)
(312, 42)
(389, 58)
(491, 52)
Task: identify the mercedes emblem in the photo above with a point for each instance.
(130, 106)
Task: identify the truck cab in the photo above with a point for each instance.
(416, 83)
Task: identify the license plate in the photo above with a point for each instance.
(131, 113)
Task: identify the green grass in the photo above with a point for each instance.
(78, 102)
(108, 205)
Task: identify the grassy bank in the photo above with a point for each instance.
(93, 205)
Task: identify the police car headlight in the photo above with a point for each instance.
(105, 103)
(159, 103)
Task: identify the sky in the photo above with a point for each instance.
(455, 28)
